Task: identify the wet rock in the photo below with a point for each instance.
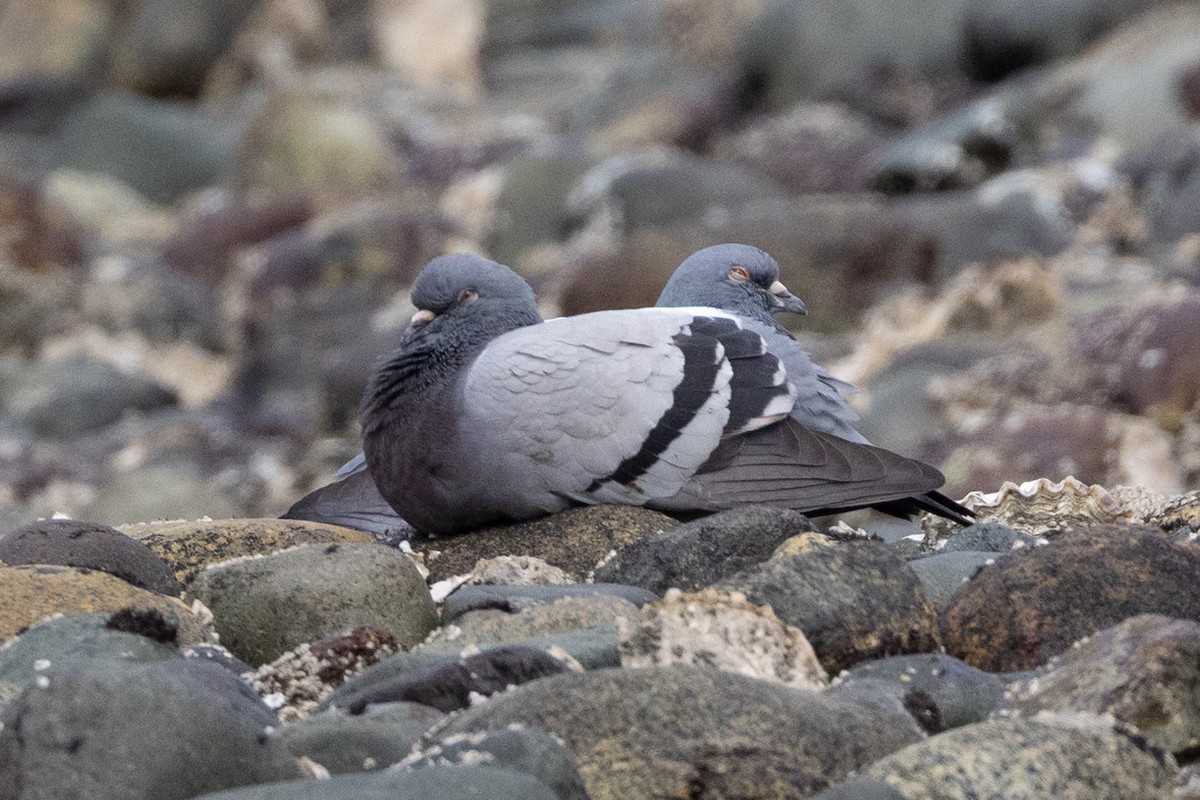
(943, 573)
(566, 614)
(374, 740)
(72, 543)
(526, 750)
(853, 601)
(515, 599)
(162, 150)
(960, 693)
(77, 394)
(659, 730)
(576, 540)
(101, 732)
(702, 552)
(1140, 671)
(68, 644)
(1029, 606)
(266, 606)
(720, 629)
(191, 546)
(32, 593)
(1029, 758)
(430, 783)
(449, 685)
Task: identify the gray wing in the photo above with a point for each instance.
(820, 397)
(352, 502)
(616, 406)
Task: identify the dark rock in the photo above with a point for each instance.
(162, 150)
(218, 655)
(575, 540)
(37, 103)
(526, 750)
(188, 547)
(961, 693)
(657, 731)
(266, 606)
(101, 732)
(360, 743)
(73, 543)
(1028, 758)
(67, 644)
(854, 601)
(78, 394)
(1032, 605)
(429, 783)
(1141, 671)
(448, 686)
(860, 789)
(992, 537)
(515, 599)
(943, 573)
(700, 553)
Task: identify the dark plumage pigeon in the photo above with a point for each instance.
(484, 415)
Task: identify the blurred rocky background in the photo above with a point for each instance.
(210, 211)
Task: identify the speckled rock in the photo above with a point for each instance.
(32, 593)
(986, 537)
(515, 599)
(854, 601)
(702, 552)
(70, 643)
(575, 540)
(567, 614)
(720, 629)
(959, 693)
(667, 731)
(102, 732)
(376, 739)
(942, 574)
(266, 606)
(428, 783)
(520, 749)
(1029, 760)
(1142, 671)
(71, 543)
(1032, 605)
(451, 684)
(190, 546)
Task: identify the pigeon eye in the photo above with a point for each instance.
(468, 296)
(739, 274)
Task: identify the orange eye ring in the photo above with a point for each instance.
(739, 274)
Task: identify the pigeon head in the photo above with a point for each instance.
(734, 277)
(469, 293)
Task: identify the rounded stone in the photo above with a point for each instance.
(342, 743)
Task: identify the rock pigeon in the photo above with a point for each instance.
(745, 281)
(485, 414)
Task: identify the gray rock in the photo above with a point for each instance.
(160, 149)
(266, 606)
(943, 573)
(860, 789)
(449, 685)
(517, 598)
(960, 693)
(360, 743)
(526, 750)
(1029, 759)
(520, 24)
(429, 783)
(218, 655)
(567, 614)
(530, 209)
(647, 732)
(171, 489)
(168, 731)
(77, 394)
(705, 551)
(1142, 671)
(1166, 176)
(71, 643)
(993, 537)
(72, 543)
(854, 601)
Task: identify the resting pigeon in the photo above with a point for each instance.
(745, 281)
(485, 415)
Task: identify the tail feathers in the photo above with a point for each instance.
(352, 502)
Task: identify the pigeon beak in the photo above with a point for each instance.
(419, 320)
(783, 300)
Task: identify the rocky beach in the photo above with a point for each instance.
(213, 213)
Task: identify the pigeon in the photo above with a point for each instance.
(745, 281)
(486, 414)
